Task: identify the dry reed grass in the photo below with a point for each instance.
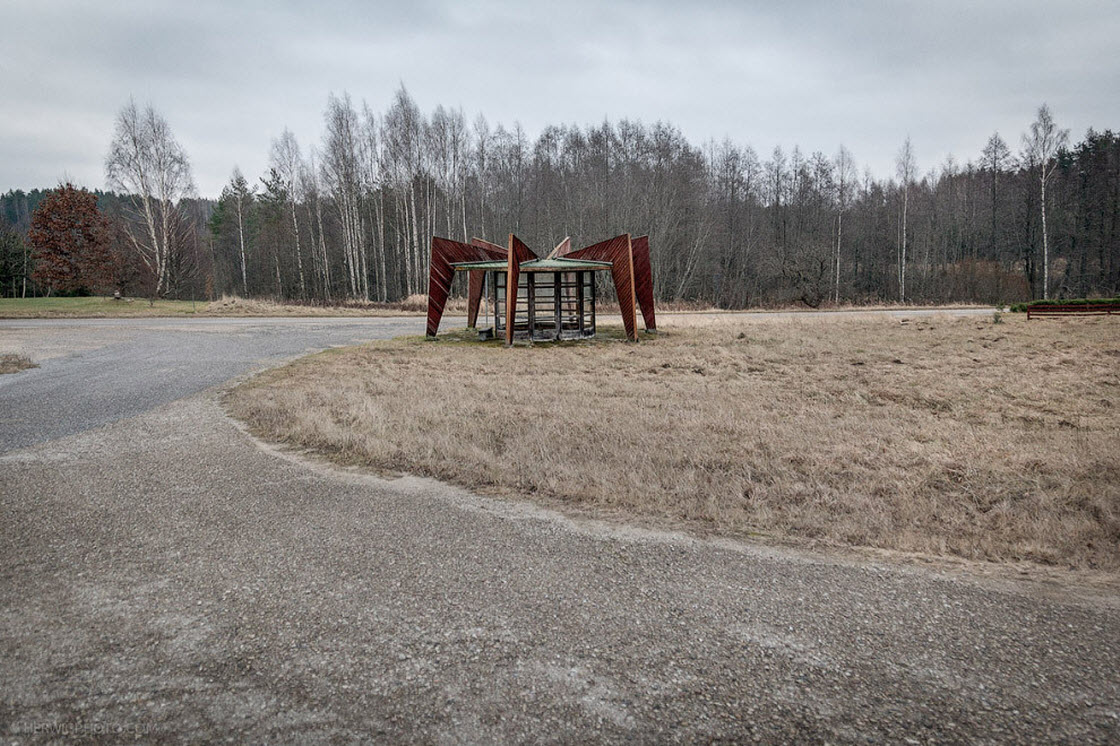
(14, 363)
(413, 305)
(977, 437)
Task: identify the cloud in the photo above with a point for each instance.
(229, 77)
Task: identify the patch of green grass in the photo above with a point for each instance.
(94, 306)
(1022, 307)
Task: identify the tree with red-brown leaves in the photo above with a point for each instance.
(69, 238)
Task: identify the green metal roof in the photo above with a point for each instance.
(536, 265)
(562, 264)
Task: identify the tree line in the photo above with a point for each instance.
(350, 217)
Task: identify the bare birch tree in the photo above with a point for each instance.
(239, 196)
(286, 160)
(312, 191)
(844, 182)
(996, 159)
(373, 177)
(1042, 144)
(147, 163)
(342, 174)
(403, 133)
(906, 168)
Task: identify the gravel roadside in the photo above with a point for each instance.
(166, 574)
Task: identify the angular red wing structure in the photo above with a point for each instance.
(643, 280)
(620, 254)
(483, 243)
(444, 252)
(562, 249)
(518, 253)
(560, 288)
(477, 280)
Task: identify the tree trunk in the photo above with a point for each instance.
(1045, 240)
(414, 281)
(323, 251)
(241, 239)
(902, 257)
(383, 285)
(363, 251)
(279, 282)
(299, 254)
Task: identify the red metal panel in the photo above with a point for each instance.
(643, 280)
(474, 296)
(518, 252)
(562, 249)
(619, 252)
(444, 252)
(483, 243)
(477, 280)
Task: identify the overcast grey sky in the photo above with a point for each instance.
(230, 76)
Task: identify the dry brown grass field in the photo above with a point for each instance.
(412, 305)
(979, 437)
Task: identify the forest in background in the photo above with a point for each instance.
(350, 217)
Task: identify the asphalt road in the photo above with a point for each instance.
(167, 578)
(96, 371)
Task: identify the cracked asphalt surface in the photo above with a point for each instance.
(167, 578)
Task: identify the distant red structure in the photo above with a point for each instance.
(555, 296)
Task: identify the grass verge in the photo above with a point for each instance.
(227, 306)
(100, 307)
(971, 437)
(12, 363)
(96, 307)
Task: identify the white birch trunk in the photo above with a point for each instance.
(299, 253)
(241, 239)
